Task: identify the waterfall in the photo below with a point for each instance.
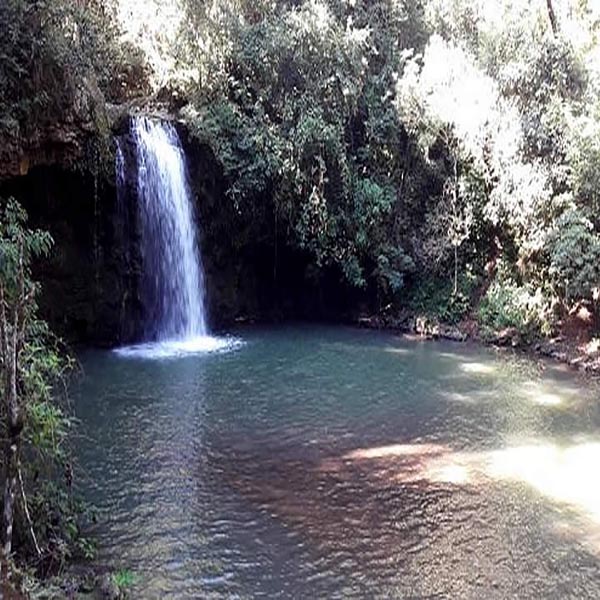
(120, 170)
(172, 285)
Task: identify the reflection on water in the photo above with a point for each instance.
(176, 348)
(336, 463)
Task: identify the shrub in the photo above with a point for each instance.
(34, 414)
(507, 304)
(435, 299)
(574, 251)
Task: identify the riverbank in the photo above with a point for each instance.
(79, 581)
(583, 356)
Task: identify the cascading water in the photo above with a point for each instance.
(120, 169)
(172, 282)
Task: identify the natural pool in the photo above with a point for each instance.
(328, 462)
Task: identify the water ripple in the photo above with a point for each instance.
(333, 463)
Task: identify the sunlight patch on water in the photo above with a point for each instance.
(395, 450)
(450, 473)
(549, 394)
(471, 398)
(175, 348)
(477, 367)
(547, 399)
(396, 350)
(563, 474)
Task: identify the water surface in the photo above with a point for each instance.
(321, 462)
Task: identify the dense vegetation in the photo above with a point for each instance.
(437, 155)
(59, 59)
(40, 515)
(442, 154)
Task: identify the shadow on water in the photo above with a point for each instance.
(329, 462)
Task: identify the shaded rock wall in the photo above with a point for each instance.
(252, 272)
(90, 284)
(87, 280)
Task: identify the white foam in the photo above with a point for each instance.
(205, 344)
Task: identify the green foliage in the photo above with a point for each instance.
(58, 58)
(42, 368)
(248, 155)
(291, 141)
(392, 143)
(13, 238)
(507, 304)
(389, 139)
(583, 153)
(502, 307)
(434, 298)
(574, 254)
(124, 579)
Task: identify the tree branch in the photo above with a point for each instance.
(3, 327)
(552, 17)
(27, 515)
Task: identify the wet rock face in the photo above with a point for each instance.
(57, 144)
(91, 281)
(87, 280)
(58, 135)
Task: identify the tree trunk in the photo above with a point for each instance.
(552, 17)
(10, 491)
(456, 217)
(13, 428)
(455, 269)
(11, 341)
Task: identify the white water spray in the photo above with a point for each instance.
(173, 281)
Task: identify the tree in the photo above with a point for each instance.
(460, 210)
(446, 102)
(17, 313)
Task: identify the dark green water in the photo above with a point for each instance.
(317, 462)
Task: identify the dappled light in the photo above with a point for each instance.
(593, 346)
(564, 474)
(406, 463)
(153, 26)
(395, 450)
(316, 16)
(453, 356)
(543, 394)
(551, 393)
(547, 399)
(396, 350)
(477, 368)
(471, 398)
(375, 456)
